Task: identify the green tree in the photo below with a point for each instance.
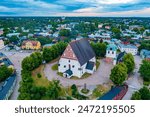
(128, 60)
(99, 49)
(64, 32)
(13, 39)
(5, 72)
(6, 31)
(119, 74)
(37, 92)
(44, 40)
(142, 30)
(54, 52)
(145, 93)
(74, 90)
(54, 90)
(136, 96)
(32, 62)
(116, 33)
(145, 70)
(144, 45)
(28, 63)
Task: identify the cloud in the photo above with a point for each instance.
(39, 3)
(134, 13)
(88, 10)
(74, 7)
(106, 2)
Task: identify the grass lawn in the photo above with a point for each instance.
(97, 64)
(40, 81)
(99, 91)
(60, 74)
(146, 83)
(85, 91)
(55, 67)
(85, 75)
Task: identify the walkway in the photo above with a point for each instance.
(101, 76)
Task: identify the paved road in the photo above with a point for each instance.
(134, 82)
(16, 58)
(101, 76)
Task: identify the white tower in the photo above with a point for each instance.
(111, 51)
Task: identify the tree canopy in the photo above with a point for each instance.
(99, 49)
(145, 70)
(119, 74)
(128, 60)
(5, 72)
(116, 33)
(142, 94)
(64, 32)
(32, 62)
(54, 90)
(54, 52)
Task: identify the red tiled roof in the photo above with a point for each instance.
(34, 43)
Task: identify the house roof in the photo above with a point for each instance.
(90, 65)
(120, 56)
(128, 46)
(34, 43)
(6, 86)
(112, 93)
(69, 72)
(146, 53)
(112, 47)
(82, 50)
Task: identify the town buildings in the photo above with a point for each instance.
(7, 86)
(33, 45)
(128, 48)
(145, 54)
(1, 32)
(1, 44)
(77, 59)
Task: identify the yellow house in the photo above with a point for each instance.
(33, 45)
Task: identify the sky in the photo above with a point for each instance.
(103, 8)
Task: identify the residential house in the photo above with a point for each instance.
(7, 86)
(145, 54)
(48, 45)
(129, 48)
(33, 45)
(77, 59)
(107, 27)
(1, 44)
(13, 34)
(100, 25)
(1, 32)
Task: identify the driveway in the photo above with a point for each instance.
(16, 58)
(134, 82)
(101, 76)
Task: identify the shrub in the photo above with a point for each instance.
(39, 75)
